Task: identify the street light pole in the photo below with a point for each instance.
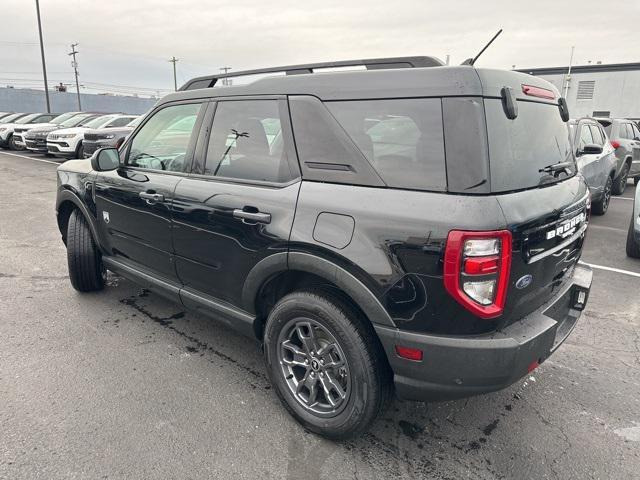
(175, 80)
(44, 65)
(73, 53)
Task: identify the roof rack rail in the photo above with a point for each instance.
(209, 81)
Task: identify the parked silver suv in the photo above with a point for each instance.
(596, 160)
(625, 138)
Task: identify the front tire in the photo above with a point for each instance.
(86, 270)
(621, 182)
(326, 364)
(633, 246)
(80, 151)
(12, 144)
(601, 206)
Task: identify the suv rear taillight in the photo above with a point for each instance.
(615, 144)
(476, 270)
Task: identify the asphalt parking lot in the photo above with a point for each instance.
(123, 384)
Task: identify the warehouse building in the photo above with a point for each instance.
(597, 90)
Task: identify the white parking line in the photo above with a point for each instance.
(611, 269)
(621, 198)
(30, 158)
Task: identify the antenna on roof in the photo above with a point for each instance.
(472, 61)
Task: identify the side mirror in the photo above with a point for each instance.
(105, 159)
(564, 109)
(591, 149)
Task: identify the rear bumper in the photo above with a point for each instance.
(457, 367)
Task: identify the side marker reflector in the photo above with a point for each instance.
(409, 353)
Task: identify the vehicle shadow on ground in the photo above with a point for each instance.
(411, 439)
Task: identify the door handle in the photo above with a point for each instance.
(251, 217)
(152, 198)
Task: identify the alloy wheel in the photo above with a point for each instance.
(314, 367)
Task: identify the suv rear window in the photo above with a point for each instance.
(520, 148)
(402, 139)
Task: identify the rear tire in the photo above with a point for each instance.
(621, 182)
(308, 332)
(86, 270)
(633, 246)
(601, 206)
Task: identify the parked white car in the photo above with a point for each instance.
(67, 142)
(7, 129)
(20, 130)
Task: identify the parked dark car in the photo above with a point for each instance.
(633, 236)
(625, 138)
(402, 227)
(596, 161)
(107, 137)
(36, 138)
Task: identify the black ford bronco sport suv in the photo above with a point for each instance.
(408, 226)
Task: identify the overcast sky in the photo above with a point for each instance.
(128, 42)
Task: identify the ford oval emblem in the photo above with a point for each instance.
(524, 282)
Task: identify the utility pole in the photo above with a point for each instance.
(74, 64)
(225, 81)
(175, 80)
(44, 65)
(568, 77)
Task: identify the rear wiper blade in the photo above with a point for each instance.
(557, 168)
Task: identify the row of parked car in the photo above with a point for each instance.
(608, 154)
(67, 135)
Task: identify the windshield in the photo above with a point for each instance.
(62, 118)
(11, 118)
(135, 122)
(76, 120)
(520, 150)
(28, 118)
(100, 121)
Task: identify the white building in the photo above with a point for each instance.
(611, 90)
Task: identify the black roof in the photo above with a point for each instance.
(610, 67)
(388, 81)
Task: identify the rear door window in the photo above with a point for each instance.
(624, 131)
(597, 135)
(520, 149)
(247, 143)
(402, 139)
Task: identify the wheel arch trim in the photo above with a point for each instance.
(66, 195)
(308, 263)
